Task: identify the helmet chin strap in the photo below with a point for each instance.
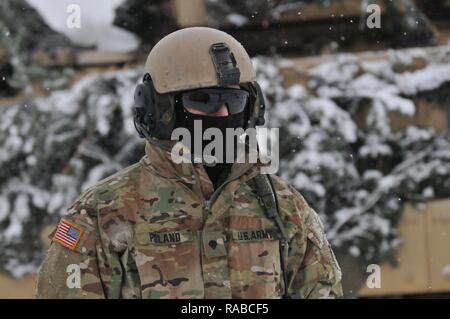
(156, 142)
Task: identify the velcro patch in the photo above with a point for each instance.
(170, 238)
(213, 244)
(68, 234)
(249, 235)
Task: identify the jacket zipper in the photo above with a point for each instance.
(207, 203)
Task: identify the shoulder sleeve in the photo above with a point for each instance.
(77, 264)
(313, 270)
(319, 273)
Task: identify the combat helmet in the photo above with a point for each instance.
(187, 59)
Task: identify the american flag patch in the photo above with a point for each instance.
(68, 234)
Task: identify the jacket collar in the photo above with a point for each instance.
(160, 162)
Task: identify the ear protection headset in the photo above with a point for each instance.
(154, 113)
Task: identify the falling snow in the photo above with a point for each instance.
(61, 144)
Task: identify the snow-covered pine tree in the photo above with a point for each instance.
(51, 148)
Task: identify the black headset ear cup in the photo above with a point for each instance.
(154, 113)
(260, 105)
(144, 109)
(257, 104)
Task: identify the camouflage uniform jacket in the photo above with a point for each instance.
(159, 230)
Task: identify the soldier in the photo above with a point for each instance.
(162, 229)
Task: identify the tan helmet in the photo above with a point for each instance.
(182, 60)
(188, 59)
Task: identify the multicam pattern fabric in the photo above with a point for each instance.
(159, 230)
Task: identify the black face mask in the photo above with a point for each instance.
(218, 172)
(186, 120)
